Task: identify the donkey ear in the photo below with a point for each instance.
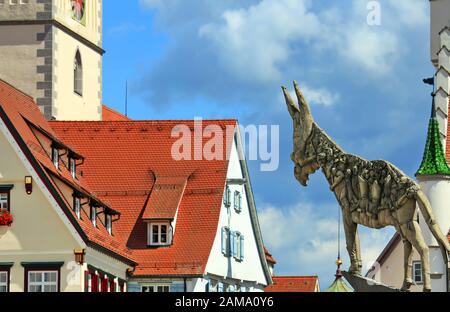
(304, 106)
(292, 107)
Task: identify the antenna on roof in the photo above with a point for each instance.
(126, 98)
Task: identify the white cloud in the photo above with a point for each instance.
(320, 96)
(253, 42)
(411, 13)
(304, 241)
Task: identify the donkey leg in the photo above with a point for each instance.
(352, 241)
(414, 235)
(408, 253)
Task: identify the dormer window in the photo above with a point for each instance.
(77, 206)
(55, 157)
(73, 167)
(159, 234)
(93, 216)
(108, 223)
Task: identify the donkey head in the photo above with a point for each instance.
(304, 156)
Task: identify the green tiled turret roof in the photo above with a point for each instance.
(339, 285)
(434, 161)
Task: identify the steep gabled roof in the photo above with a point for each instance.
(294, 284)
(109, 114)
(165, 198)
(20, 114)
(123, 162)
(269, 258)
(434, 162)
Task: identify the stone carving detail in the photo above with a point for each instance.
(371, 193)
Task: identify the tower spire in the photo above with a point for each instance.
(433, 162)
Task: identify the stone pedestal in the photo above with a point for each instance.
(364, 284)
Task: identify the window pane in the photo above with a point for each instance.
(3, 289)
(163, 237)
(3, 277)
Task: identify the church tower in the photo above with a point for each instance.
(52, 51)
(434, 172)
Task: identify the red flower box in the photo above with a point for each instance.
(6, 219)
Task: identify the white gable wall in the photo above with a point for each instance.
(249, 272)
(38, 233)
(41, 233)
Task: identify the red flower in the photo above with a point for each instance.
(5, 218)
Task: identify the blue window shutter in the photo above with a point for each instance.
(242, 247)
(223, 242)
(233, 244)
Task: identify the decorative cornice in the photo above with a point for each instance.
(6, 187)
(60, 26)
(443, 29)
(441, 89)
(442, 68)
(435, 177)
(6, 265)
(444, 47)
(42, 265)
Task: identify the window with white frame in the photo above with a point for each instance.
(226, 241)
(227, 197)
(159, 234)
(237, 246)
(42, 281)
(94, 215)
(4, 200)
(220, 287)
(156, 288)
(212, 286)
(77, 206)
(108, 221)
(55, 157)
(237, 201)
(417, 272)
(73, 167)
(4, 281)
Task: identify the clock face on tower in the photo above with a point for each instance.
(78, 11)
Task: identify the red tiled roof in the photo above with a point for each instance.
(123, 160)
(19, 110)
(294, 284)
(269, 258)
(109, 114)
(165, 198)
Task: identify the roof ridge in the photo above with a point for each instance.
(17, 89)
(135, 121)
(293, 276)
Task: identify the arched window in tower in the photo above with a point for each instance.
(78, 74)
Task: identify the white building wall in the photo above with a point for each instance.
(250, 271)
(67, 104)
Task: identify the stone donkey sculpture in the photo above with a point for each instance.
(371, 193)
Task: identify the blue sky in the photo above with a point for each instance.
(228, 59)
